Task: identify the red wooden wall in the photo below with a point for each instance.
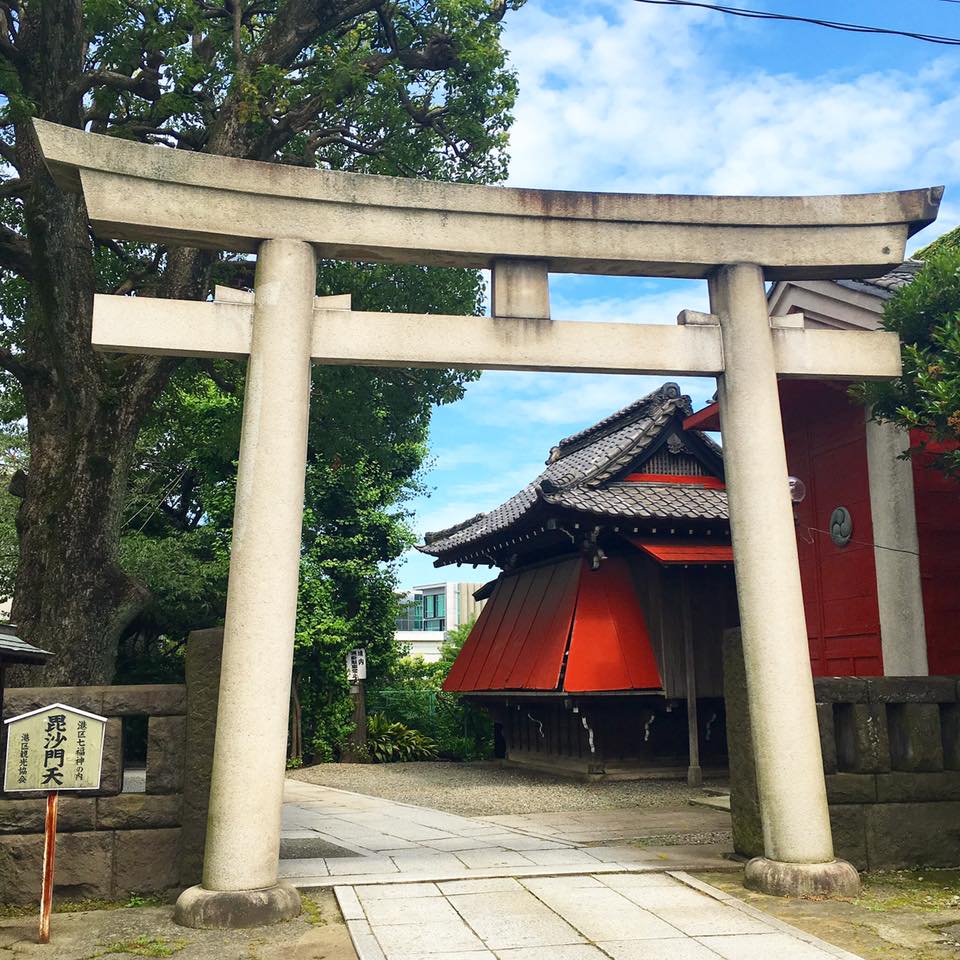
(938, 530)
(826, 449)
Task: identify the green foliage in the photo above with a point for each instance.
(926, 397)
(452, 644)
(390, 741)
(413, 695)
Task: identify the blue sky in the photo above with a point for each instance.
(616, 95)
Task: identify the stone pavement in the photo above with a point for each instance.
(648, 916)
(419, 884)
(381, 840)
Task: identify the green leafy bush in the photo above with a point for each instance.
(412, 694)
(390, 741)
(926, 397)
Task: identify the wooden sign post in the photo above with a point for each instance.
(356, 675)
(51, 749)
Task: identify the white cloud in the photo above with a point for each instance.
(567, 400)
(623, 96)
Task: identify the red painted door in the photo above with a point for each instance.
(826, 448)
(938, 531)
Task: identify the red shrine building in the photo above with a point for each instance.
(598, 652)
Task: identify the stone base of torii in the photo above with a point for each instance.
(288, 216)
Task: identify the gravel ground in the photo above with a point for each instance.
(488, 789)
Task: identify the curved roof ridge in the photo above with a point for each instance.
(668, 391)
(592, 458)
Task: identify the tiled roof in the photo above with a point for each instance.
(15, 650)
(887, 285)
(580, 475)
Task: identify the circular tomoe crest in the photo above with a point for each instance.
(841, 526)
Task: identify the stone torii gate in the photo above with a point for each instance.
(289, 215)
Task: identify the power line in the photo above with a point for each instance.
(831, 24)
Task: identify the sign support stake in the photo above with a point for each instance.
(49, 854)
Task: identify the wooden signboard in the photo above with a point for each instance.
(51, 749)
(357, 665)
(54, 748)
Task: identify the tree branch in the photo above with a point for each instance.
(7, 46)
(16, 364)
(15, 252)
(146, 83)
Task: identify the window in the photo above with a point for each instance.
(435, 611)
(411, 615)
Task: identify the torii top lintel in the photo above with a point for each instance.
(143, 192)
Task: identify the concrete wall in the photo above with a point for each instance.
(111, 844)
(891, 754)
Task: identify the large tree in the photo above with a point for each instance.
(409, 87)
(925, 399)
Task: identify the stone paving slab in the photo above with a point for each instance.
(577, 917)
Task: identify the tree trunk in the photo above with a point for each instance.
(84, 410)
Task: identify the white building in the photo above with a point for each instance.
(430, 611)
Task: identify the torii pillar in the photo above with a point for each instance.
(289, 215)
(797, 840)
(249, 757)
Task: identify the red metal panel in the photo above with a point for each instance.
(534, 609)
(520, 637)
(482, 680)
(481, 636)
(539, 663)
(685, 551)
(503, 621)
(610, 647)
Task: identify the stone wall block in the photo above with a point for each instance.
(828, 737)
(84, 867)
(900, 787)
(19, 700)
(146, 861)
(848, 826)
(165, 754)
(153, 700)
(138, 811)
(204, 650)
(840, 690)
(862, 740)
(912, 689)
(950, 728)
(74, 814)
(915, 740)
(902, 835)
(843, 788)
(111, 772)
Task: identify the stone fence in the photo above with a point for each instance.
(110, 843)
(891, 755)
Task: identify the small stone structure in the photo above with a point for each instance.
(111, 844)
(891, 755)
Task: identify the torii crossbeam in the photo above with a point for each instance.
(289, 215)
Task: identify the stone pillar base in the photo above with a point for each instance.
(231, 909)
(837, 878)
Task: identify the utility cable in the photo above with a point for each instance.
(831, 24)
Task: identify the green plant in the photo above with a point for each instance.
(388, 741)
(294, 763)
(144, 946)
(926, 397)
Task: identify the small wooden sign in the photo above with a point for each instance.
(51, 749)
(54, 748)
(357, 665)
